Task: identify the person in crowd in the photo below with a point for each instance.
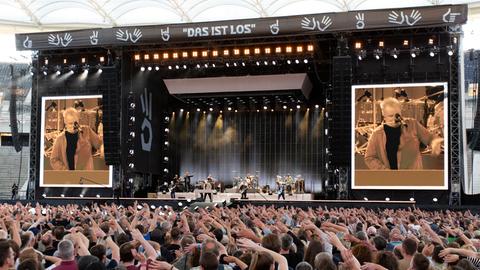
(72, 149)
(395, 145)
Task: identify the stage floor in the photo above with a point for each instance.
(228, 197)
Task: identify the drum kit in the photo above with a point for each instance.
(247, 182)
(290, 184)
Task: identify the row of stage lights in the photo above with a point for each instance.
(431, 49)
(412, 199)
(224, 53)
(227, 64)
(70, 68)
(231, 109)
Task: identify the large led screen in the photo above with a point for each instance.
(399, 134)
(72, 143)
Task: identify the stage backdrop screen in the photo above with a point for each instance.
(399, 132)
(72, 145)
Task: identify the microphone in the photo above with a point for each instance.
(399, 119)
(76, 127)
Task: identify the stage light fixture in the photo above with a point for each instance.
(310, 48)
(165, 170)
(152, 207)
(215, 53)
(137, 57)
(206, 65)
(132, 134)
(288, 49)
(235, 64)
(265, 63)
(98, 195)
(258, 110)
(58, 72)
(198, 109)
(430, 41)
(284, 107)
(297, 61)
(149, 68)
(226, 52)
(378, 53)
(412, 199)
(131, 152)
(236, 51)
(44, 195)
(156, 56)
(132, 105)
(130, 180)
(184, 66)
(184, 54)
(177, 67)
(268, 50)
(210, 109)
(236, 110)
(198, 65)
(165, 159)
(305, 61)
(449, 50)
(62, 195)
(278, 50)
(435, 199)
(414, 52)
(405, 42)
(213, 65)
(455, 40)
(204, 53)
(298, 106)
(157, 68)
(299, 49)
(165, 55)
(64, 60)
(387, 199)
(289, 61)
(358, 45)
(272, 110)
(362, 54)
(45, 62)
(166, 119)
(246, 51)
(102, 59)
(194, 54)
(146, 57)
(167, 143)
(170, 67)
(291, 109)
(167, 130)
(81, 195)
(175, 55)
(189, 200)
(131, 165)
(394, 53)
(181, 110)
(229, 108)
(256, 51)
(243, 64)
(257, 63)
(433, 51)
(274, 62)
(142, 69)
(227, 64)
(265, 107)
(317, 106)
(326, 131)
(365, 198)
(83, 60)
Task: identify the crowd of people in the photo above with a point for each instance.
(140, 237)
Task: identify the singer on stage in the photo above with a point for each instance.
(395, 145)
(72, 150)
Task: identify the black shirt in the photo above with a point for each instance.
(393, 141)
(72, 139)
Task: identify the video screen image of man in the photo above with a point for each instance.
(73, 143)
(395, 144)
(398, 135)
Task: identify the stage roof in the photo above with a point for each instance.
(50, 15)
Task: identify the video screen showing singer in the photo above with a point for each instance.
(72, 149)
(396, 143)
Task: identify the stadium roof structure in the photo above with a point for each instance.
(53, 15)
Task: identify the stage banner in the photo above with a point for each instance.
(312, 24)
(72, 143)
(150, 99)
(400, 136)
